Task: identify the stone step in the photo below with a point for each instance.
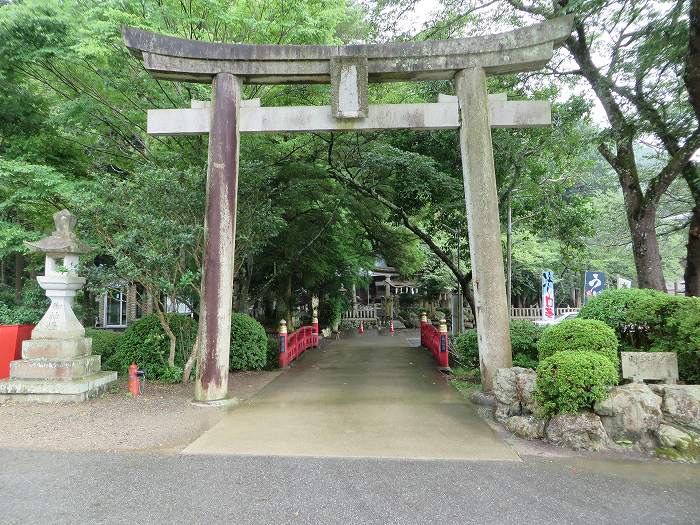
(55, 391)
(59, 369)
(56, 349)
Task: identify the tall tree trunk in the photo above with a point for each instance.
(171, 336)
(19, 275)
(645, 247)
(691, 174)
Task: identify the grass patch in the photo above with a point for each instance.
(466, 380)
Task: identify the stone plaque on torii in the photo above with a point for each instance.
(349, 69)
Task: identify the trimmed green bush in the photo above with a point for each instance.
(104, 342)
(272, 359)
(571, 381)
(146, 344)
(523, 338)
(523, 335)
(579, 335)
(248, 343)
(652, 321)
(466, 348)
(625, 306)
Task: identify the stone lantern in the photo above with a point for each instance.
(56, 363)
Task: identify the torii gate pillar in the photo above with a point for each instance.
(348, 69)
(220, 234)
(481, 199)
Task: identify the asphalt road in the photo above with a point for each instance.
(78, 487)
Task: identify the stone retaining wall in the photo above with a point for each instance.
(661, 418)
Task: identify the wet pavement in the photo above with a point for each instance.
(366, 396)
(99, 487)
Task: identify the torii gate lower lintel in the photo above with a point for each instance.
(349, 69)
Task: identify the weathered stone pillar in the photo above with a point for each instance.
(220, 234)
(481, 199)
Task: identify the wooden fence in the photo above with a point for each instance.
(369, 312)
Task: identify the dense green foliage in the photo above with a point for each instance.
(579, 335)
(146, 343)
(249, 346)
(631, 306)
(29, 310)
(466, 348)
(570, 381)
(104, 342)
(523, 335)
(272, 358)
(647, 320)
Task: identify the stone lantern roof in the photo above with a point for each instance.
(63, 240)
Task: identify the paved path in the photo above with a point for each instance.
(365, 396)
(114, 488)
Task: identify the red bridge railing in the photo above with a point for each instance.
(291, 346)
(435, 340)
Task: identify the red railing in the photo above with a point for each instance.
(291, 346)
(436, 341)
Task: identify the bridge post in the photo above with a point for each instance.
(481, 200)
(282, 350)
(423, 323)
(314, 323)
(220, 235)
(444, 351)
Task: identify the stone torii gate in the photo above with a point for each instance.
(348, 69)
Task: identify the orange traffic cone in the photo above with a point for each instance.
(361, 329)
(391, 326)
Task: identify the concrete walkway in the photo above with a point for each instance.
(365, 396)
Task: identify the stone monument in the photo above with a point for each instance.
(56, 363)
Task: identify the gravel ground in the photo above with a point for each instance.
(163, 419)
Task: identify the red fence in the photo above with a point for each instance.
(291, 346)
(11, 337)
(435, 340)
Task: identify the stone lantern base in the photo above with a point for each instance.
(54, 371)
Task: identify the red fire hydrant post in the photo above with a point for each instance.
(443, 354)
(134, 380)
(423, 325)
(282, 344)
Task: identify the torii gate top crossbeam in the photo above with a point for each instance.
(171, 58)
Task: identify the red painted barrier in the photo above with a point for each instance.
(435, 340)
(11, 337)
(291, 346)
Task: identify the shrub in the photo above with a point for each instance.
(272, 359)
(648, 320)
(146, 344)
(523, 334)
(248, 343)
(523, 338)
(524, 361)
(30, 310)
(104, 342)
(618, 308)
(571, 381)
(466, 348)
(579, 335)
(680, 333)
(331, 311)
